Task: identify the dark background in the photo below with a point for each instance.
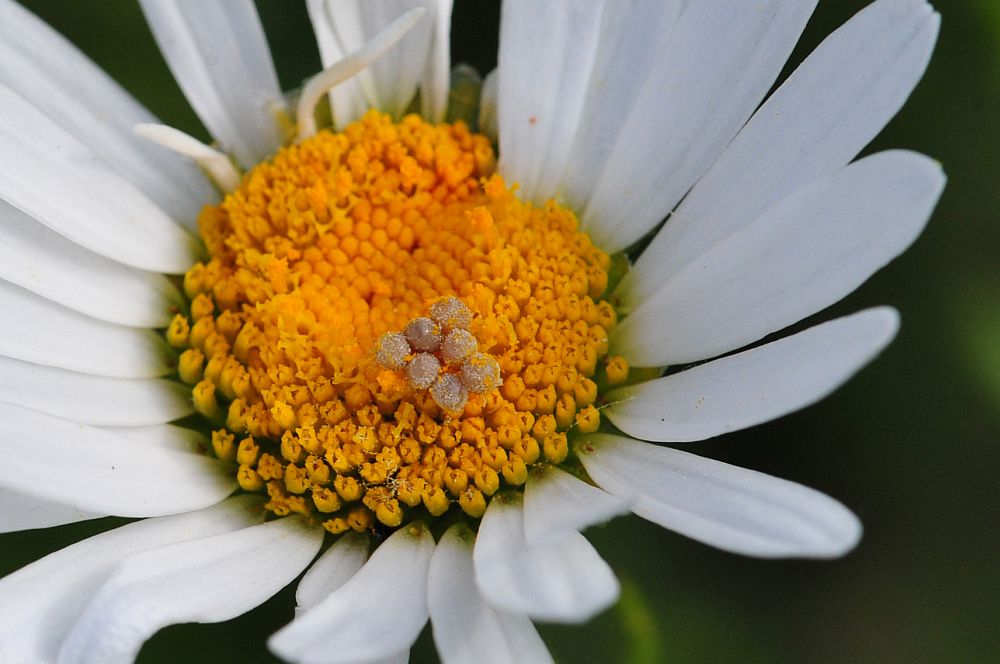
(912, 444)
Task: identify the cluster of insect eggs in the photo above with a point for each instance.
(437, 352)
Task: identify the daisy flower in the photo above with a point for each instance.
(411, 360)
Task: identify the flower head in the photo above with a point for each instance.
(424, 354)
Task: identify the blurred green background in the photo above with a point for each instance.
(912, 444)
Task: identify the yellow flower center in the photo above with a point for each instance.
(384, 329)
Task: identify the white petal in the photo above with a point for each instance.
(755, 386)
(632, 33)
(561, 581)
(46, 263)
(39, 331)
(466, 628)
(326, 39)
(168, 436)
(397, 74)
(92, 399)
(332, 570)
(347, 100)
(547, 51)
(719, 62)
(488, 106)
(47, 70)
(206, 580)
(800, 256)
(219, 56)
(435, 82)
(96, 471)
(217, 165)
(52, 176)
(401, 657)
(838, 99)
(19, 511)
(556, 503)
(351, 624)
(350, 67)
(391, 82)
(50, 594)
(730, 508)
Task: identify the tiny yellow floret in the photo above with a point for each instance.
(617, 370)
(178, 331)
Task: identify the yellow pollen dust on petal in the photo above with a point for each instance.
(384, 328)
